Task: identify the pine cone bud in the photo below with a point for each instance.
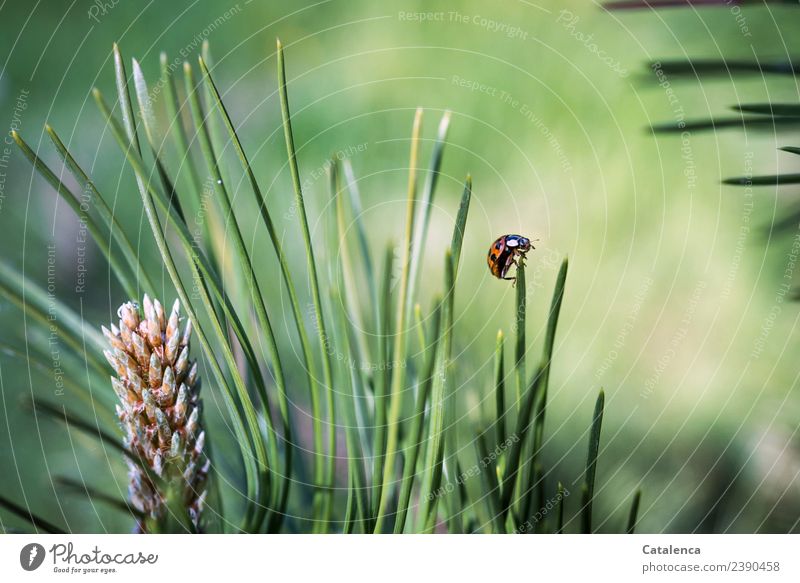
(158, 387)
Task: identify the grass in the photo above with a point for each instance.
(407, 448)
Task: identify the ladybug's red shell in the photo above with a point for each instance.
(504, 252)
(496, 257)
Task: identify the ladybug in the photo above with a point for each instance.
(506, 251)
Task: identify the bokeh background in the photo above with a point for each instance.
(674, 302)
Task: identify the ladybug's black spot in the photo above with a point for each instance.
(498, 245)
(493, 256)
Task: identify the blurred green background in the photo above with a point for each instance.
(673, 302)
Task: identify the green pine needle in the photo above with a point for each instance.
(634, 513)
(591, 464)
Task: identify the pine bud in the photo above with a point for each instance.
(157, 386)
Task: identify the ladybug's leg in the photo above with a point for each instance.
(518, 260)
